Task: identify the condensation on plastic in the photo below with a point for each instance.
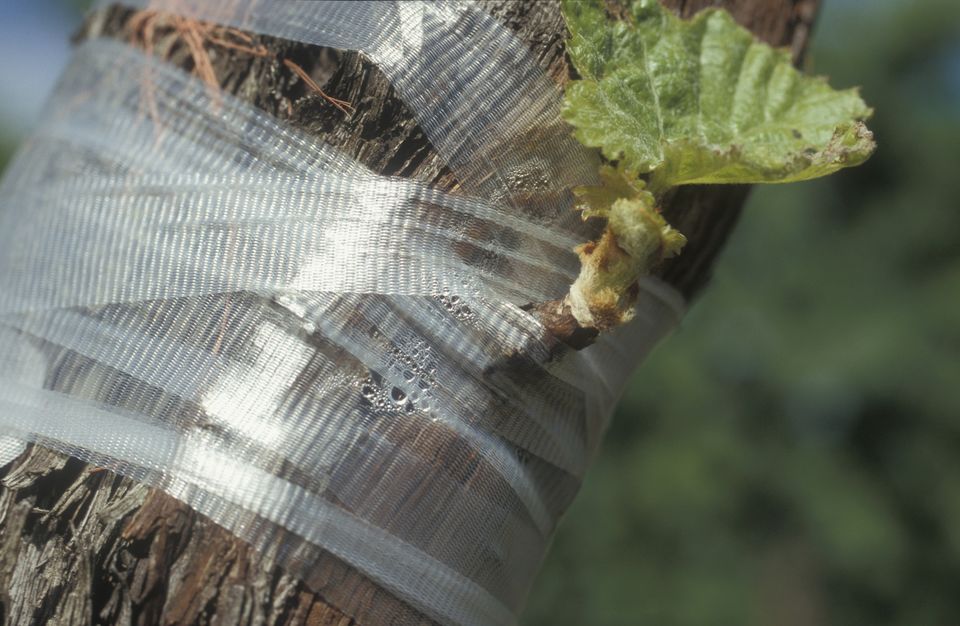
(327, 362)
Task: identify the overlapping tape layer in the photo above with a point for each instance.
(330, 363)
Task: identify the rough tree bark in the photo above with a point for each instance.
(81, 545)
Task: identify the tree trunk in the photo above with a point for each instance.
(82, 545)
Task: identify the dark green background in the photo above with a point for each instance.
(791, 456)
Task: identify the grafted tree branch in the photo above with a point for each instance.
(82, 545)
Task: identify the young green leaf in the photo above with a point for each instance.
(702, 101)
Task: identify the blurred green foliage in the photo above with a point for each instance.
(791, 456)
(6, 151)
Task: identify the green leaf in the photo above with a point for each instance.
(702, 101)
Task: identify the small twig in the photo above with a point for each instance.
(144, 25)
(239, 34)
(259, 51)
(191, 32)
(343, 105)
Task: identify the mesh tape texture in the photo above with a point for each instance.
(323, 360)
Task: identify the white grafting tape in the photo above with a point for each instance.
(323, 360)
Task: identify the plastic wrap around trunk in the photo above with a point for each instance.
(323, 360)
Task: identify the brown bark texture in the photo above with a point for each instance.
(82, 545)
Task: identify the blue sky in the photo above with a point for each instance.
(34, 47)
